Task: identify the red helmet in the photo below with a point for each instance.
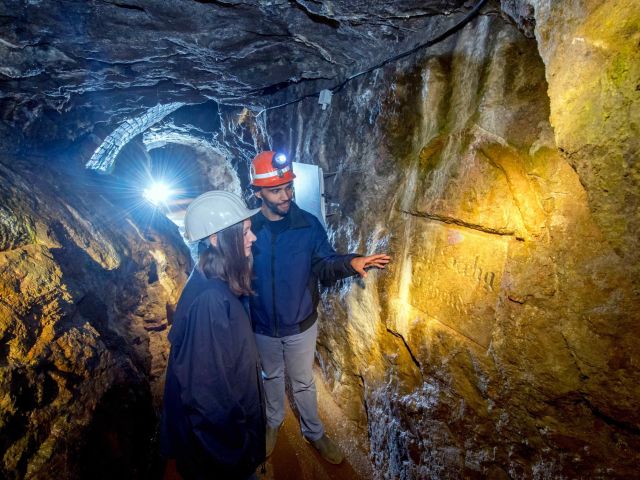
(270, 169)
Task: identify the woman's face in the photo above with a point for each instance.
(248, 236)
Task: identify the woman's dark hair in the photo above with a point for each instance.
(228, 261)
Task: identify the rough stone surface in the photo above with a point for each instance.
(84, 294)
(106, 60)
(502, 342)
(593, 70)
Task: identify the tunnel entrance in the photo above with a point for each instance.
(177, 155)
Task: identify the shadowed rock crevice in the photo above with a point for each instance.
(455, 221)
(121, 440)
(129, 6)
(406, 345)
(315, 16)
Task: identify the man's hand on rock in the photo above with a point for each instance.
(362, 264)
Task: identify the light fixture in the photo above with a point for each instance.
(325, 98)
(158, 193)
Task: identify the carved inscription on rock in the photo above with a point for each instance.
(456, 277)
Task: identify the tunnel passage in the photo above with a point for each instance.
(498, 167)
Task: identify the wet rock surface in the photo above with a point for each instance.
(501, 342)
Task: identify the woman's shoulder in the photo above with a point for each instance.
(201, 291)
(206, 304)
(216, 290)
(199, 285)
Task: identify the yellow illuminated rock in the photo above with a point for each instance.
(500, 173)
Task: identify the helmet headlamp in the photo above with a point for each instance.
(279, 160)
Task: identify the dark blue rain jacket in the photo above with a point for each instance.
(287, 267)
(213, 420)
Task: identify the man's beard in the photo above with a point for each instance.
(275, 209)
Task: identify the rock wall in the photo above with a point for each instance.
(86, 285)
(593, 68)
(499, 171)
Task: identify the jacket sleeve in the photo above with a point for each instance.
(327, 265)
(204, 368)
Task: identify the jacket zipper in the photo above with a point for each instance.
(273, 280)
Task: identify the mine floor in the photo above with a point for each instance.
(295, 459)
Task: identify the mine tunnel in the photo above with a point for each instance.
(489, 147)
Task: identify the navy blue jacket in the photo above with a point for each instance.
(287, 268)
(213, 420)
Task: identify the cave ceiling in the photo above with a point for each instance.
(113, 58)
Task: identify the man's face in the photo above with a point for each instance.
(276, 200)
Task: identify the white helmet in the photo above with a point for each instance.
(214, 211)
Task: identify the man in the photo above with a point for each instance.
(291, 254)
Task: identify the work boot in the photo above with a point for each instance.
(271, 438)
(327, 449)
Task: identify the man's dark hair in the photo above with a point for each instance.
(253, 201)
(228, 261)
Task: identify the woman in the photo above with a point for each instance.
(213, 423)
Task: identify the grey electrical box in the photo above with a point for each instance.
(309, 190)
